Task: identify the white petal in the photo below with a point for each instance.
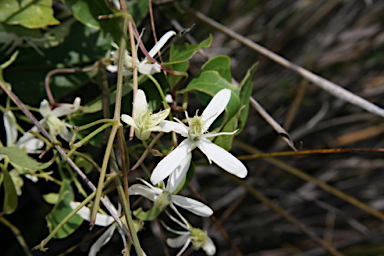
(170, 126)
(222, 158)
(148, 192)
(155, 119)
(148, 68)
(112, 68)
(178, 241)
(215, 107)
(209, 247)
(45, 109)
(65, 134)
(178, 175)
(65, 109)
(102, 240)
(85, 212)
(31, 146)
(192, 205)
(166, 166)
(128, 120)
(161, 43)
(10, 128)
(140, 107)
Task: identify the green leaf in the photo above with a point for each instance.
(20, 158)
(172, 79)
(147, 215)
(209, 83)
(61, 210)
(88, 12)
(27, 13)
(221, 64)
(246, 86)
(238, 121)
(180, 53)
(81, 48)
(10, 195)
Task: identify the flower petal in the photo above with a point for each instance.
(148, 192)
(65, 109)
(161, 43)
(45, 109)
(192, 205)
(215, 107)
(178, 175)
(222, 158)
(209, 247)
(102, 240)
(128, 120)
(31, 146)
(112, 68)
(169, 163)
(140, 106)
(65, 134)
(170, 126)
(155, 119)
(10, 128)
(148, 68)
(178, 241)
(85, 212)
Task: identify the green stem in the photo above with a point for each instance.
(17, 234)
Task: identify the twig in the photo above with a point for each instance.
(323, 83)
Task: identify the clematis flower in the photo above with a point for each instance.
(29, 144)
(163, 197)
(197, 135)
(51, 118)
(103, 221)
(196, 236)
(145, 66)
(143, 120)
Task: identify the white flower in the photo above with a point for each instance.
(103, 221)
(196, 236)
(197, 136)
(143, 120)
(145, 66)
(51, 118)
(29, 144)
(163, 197)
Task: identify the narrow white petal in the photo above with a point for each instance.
(140, 106)
(148, 192)
(209, 247)
(31, 146)
(102, 240)
(45, 109)
(65, 134)
(155, 119)
(170, 126)
(65, 109)
(112, 68)
(128, 120)
(10, 128)
(178, 175)
(166, 166)
(222, 158)
(209, 135)
(148, 68)
(85, 213)
(192, 205)
(215, 107)
(178, 242)
(161, 43)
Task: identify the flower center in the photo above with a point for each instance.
(55, 124)
(196, 127)
(163, 200)
(198, 237)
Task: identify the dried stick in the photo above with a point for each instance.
(323, 83)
